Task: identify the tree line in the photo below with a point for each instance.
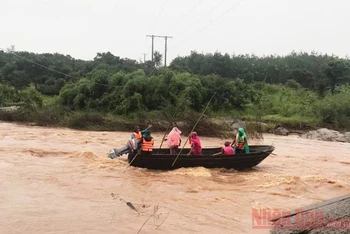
(317, 72)
(299, 86)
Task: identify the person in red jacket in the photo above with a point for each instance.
(196, 147)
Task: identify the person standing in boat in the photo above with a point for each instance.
(190, 138)
(227, 149)
(147, 142)
(137, 134)
(240, 142)
(196, 147)
(174, 140)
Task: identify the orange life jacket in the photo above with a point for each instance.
(240, 145)
(147, 145)
(137, 135)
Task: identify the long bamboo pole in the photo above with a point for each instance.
(193, 129)
(170, 123)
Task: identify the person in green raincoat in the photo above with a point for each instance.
(240, 142)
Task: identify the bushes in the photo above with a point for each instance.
(296, 121)
(25, 115)
(286, 102)
(8, 95)
(85, 105)
(85, 120)
(335, 110)
(136, 92)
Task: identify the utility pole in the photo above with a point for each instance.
(166, 39)
(152, 36)
(144, 57)
(166, 46)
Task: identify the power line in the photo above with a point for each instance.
(166, 46)
(62, 73)
(197, 3)
(107, 85)
(188, 12)
(208, 12)
(155, 23)
(194, 7)
(220, 16)
(213, 21)
(213, 9)
(40, 65)
(160, 12)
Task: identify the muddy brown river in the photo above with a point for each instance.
(55, 180)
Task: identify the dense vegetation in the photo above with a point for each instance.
(109, 92)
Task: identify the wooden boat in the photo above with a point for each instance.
(160, 159)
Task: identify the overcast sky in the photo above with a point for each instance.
(81, 28)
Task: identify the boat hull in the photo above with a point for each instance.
(162, 160)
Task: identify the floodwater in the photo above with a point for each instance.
(55, 180)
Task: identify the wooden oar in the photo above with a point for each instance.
(131, 161)
(193, 129)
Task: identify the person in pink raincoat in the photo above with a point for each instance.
(174, 140)
(196, 147)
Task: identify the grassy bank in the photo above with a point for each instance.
(216, 126)
(271, 106)
(95, 121)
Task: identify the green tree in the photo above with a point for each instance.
(18, 79)
(157, 58)
(107, 58)
(337, 73)
(303, 77)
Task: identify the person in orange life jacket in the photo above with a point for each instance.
(147, 143)
(137, 134)
(227, 149)
(240, 142)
